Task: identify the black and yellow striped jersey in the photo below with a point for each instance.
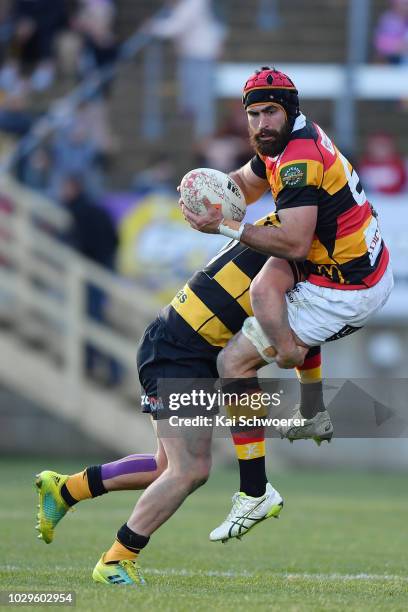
(214, 303)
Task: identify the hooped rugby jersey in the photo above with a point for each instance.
(347, 250)
(215, 302)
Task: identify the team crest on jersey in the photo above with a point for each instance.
(294, 175)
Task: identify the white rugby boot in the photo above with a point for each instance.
(247, 512)
(319, 428)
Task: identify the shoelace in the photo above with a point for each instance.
(132, 570)
(237, 502)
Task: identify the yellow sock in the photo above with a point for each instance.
(253, 449)
(118, 552)
(309, 376)
(249, 442)
(78, 487)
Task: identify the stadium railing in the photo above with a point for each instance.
(43, 287)
(45, 326)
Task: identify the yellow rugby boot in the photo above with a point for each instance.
(52, 507)
(124, 572)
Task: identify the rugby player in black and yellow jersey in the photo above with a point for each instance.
(324, 219)
(182, 342)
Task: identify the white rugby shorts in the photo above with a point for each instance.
(320, 314)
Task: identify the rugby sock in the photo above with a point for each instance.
(311, 387)
(127, 545)
(84, 485)
(90, 482)
(250, 449)
(249, 442)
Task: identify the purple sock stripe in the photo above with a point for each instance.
(129, 465)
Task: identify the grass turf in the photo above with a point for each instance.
(340, 544)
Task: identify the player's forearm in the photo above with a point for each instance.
(273, 241)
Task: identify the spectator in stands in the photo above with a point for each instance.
(35, 25)
(6, 28)
(199, 40)
(159, 175)
(95, 21)
(75, 150)
(220, 151)
(93, 232)
(37, 171)
(94, 235)
(16, 117)
(391, 35)
(229, 148)
(382, 169)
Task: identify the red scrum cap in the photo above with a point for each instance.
(271, 85)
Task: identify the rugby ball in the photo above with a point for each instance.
(206, 184)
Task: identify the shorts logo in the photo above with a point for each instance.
(343, 332)
(291, 294)
(151, 404)
(294, 175)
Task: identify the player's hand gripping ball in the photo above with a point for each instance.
(205, 185)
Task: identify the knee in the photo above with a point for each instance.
(227, 363)
(233, 362)
(161, 463)
(199, 473)
(194, 473)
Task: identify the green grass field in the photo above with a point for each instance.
(341, 544)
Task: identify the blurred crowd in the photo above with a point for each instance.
(391, 33)
(42, 41)
(34, 34)
(36, 38)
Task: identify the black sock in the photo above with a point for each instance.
(131, 540)
(95, 482)
(67, 497)
(253, 478)
(311, 399)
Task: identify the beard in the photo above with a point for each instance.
(273, 147)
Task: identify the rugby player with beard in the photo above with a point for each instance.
(322, 219)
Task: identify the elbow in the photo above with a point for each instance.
(299, 252)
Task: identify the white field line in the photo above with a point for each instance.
(289, 576)
(235, 574)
